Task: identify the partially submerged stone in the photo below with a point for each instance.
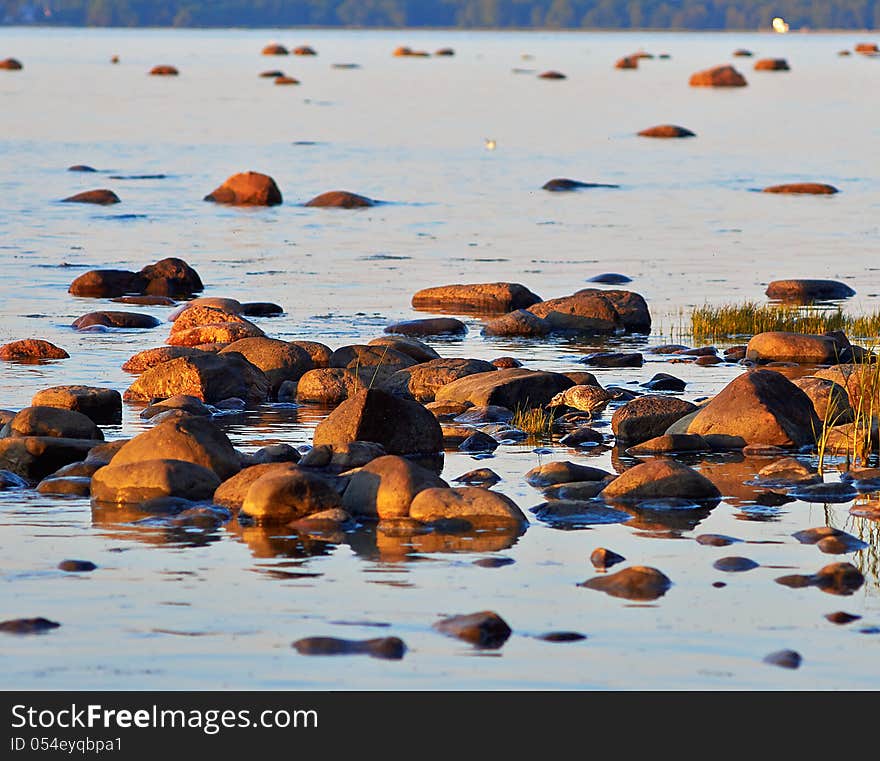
(603, 558)
(512, 388)
(641, 583)
(475, 505)
(102, 405)
(806, 291)
(422, 381)
(101, 196)
(648, 417)
(247, 189)
(484, 629)
(388, 648)
(563, 472)
(660, 478)
(280, 499)
(476, 298)
(385, 488)
(51, 421)
(666, 131)
(340, 199)
(803, 188)
(433, 326)
(31, 350)
(143, 480)
(719, 76)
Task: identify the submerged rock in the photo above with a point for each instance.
(788, 659)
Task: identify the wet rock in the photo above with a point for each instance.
(224, 329)
(591, 313)
(760, 406)
(484, 477)
(807, 291)
(632, 309)
(137, 482)
(412, 347)
(274, 500)
(190, 404)
(787, 472)
(78, 486)
(116, 320)
(28, 625)
(359, 355)
(563, 472)
(825, 493)
(422, 381)
(401, 426)
(787, 659)
(279, 360)
(716, 540)
(340, 199)
(107, 284)
(506, 362)
(271, 74)
(31, 349)
(518, 323)
(551, 75)
(229, 306)
(164, 70)
(820, 533)
(830, 400)
(734, 564)
(666, 130)
(577, 513)
(387, 648)
(516, 387)
(841, 617)
(232, 492)
(562, 637)
(719, 76)
(803, 188)
(209, 377)
(836, 578)
(433, 326)
(576, 490)
(671, 443)
(478, 442)
(261, 309)
(477, 506)
(77, 566)
(478, 298)
(793, 347)
(333, 385)
(320, 353)
(638, 582)
(735, 354)
(191, 439)
(385, 488)
(603, 558)
(648, 417)
(742, 52)
(664, 382)
(582, 437)
(51, 421)
(101, 405)
(247, 189)
(660, 478)
(484, 629)
(102, 197)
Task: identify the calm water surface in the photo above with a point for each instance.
(175, 609)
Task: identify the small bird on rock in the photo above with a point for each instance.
(591, 399)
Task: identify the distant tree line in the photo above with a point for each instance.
(552, 14)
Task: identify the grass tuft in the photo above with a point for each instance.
(534, 421)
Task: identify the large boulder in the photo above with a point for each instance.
(511, 388)
(107, 284)
(210, 377)
(247, 189)
(771, 64)
(590, 312)
(422, 381)
(385, 487)
(52, 421)
(280, 499)
(518, 323)
(719, 76)
(476, 298)
(401, 426)
(205, 324)
(136, 482)
(408, 345)
(761, 407)
(471, 503)
(171, 277)
(279, 360)
(860, 382)
(35, 457)
(333, 385)
(107, 319)
(31, 350)
(803, 291)
(432, 326)
(320, 353)
(232, 492)
(647, 417)
(631, 307)
(102, 405)
(778, 346)
(660, 478)
(361, 355)
(148, 358)
(191, 439)
(829, 399)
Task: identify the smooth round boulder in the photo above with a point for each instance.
(232, 492)
(641, 583)
(102, 405)
(52, 421)
(280, 499)
(31, 350)
(806, 291)
(128, 320)
(771, 64)
(719, 76)
(632, 309)
(433, 326)
(511, 388)
(563, 472)
(361, 355)
(333, 385)
(801, 188)
(647, 417)
(779, 346)
(107, 284)
(101, 196)
(279, 360)
(403, 427)
(340, 199)
(320, 353)
(137, 482)
(422, 381)
(660, 478)
(384, 488)
(518, 323)
(148, 358)
(247, 189)
(35, 457)
(476, 298)
(480, 507)
(171, 277)
(666, 131)
(190, 439)
(591, 313)
(412, 347)
(75, 486)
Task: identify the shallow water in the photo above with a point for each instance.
(175, 609)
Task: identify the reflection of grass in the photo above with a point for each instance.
(535, 421)
(750, 318)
